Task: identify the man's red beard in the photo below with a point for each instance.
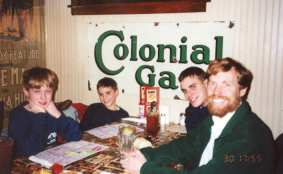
(221, 110)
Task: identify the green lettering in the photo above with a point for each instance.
(201, 50)
(125, 51)
(98, 51)
(183, 51)
(170, 78)
(134, 43)
(161, 50)
(151, 52)
(151, 76)
(218, 47)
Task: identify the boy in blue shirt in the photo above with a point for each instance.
(35, 124)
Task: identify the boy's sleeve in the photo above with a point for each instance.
(87, 121)
(68, 128)
(163, 159)
(183, 149)
(179, 151)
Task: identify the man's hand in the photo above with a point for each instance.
(133, 162)
(52, 110)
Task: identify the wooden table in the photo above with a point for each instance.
(108, 160)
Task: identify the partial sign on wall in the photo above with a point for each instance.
(155, 53)
(22, 46)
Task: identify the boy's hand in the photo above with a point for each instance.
(35, 108)
(52, 110)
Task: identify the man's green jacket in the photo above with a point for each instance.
(245, 146)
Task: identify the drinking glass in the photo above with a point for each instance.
(126, 138)
(152, 124)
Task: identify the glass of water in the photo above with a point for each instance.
(126, 138)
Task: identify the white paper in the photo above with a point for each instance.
(67, 153)
(109, 131)
(104, 172)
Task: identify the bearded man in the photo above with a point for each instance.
(233, 140)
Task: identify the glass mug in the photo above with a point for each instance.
(126, 138)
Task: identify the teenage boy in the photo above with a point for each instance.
(233, 140)
(35, 124)
(193, 85)
(107, 111)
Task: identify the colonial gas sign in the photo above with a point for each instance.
(142, 49)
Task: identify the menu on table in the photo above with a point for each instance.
(109, 131)
(67, 153)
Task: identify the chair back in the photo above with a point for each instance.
(1, 115)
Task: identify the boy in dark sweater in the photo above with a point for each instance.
(107, 111)
(193, 85)
(35, 124)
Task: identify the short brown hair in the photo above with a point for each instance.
(107, 82)
(37, 77)
(192, 71)
(244, 77)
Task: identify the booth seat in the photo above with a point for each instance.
(81, 108)
(279, 154)
(73, 110)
